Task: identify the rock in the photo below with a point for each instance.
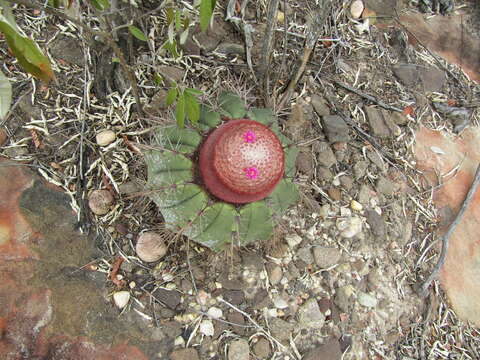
(150, 246)
(206, 328)
(343, 297)
(262, 348)
(356, 9)
(324, 174)
(279, 302)
(157, 103)
(121, 298)
(365, 195)
(237, 318)
(171, 74)
(239, 350)
(67, 49)
(328, 351)
(385, 186)
(184, 354)
(47, 294)
(275, 273)
(305, 254)
(356, 206)
(215, 313)
(347, 182)
(227, 48)
(349, 227)
(325, 155)
(310, 316)
(335, 128)
(305, 163)
(366, 300)
(293, 240)
(281, 329)
(105, 137)
(297, 124)
(170, 298)
(360, 169)
(3, 137)
(429, 79)
(375, 158)
(376, 222)
(100, 201)
(235, 297)
(326, 256)
(320, 105)
(381, 123)
(334, 193)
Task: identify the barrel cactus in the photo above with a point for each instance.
(226, 179)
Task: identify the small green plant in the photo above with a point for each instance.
(187, 104)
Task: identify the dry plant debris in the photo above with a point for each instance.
(364, 187)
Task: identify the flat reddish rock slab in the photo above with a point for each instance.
(46, 312)
(447, 36)
(439, 153)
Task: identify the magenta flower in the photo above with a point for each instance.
(249, 136)
(251, 172)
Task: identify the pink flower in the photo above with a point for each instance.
(249, 137)
(251, 172)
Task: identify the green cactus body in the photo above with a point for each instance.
(188, 208)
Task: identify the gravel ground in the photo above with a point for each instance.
(340, 274)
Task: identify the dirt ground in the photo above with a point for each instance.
(339, 279)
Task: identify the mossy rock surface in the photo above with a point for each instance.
(188, 208)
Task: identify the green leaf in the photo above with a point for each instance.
(206, 12)
(178, 21)
(194, 92)
(171, 46)
(171, 96)
(180, 111)
(283, 196)
(170, 15)
(158, 79)
(208, 118)
(176, 139)
(232, 105)
(214, 226)
(291, 153)
(5, 95)
(264, 116)
(101, 4)
(255, 222)
(166, 168)
(115, 60)
(192, 107)
(180, 205)
(135, 31)
(28, 54)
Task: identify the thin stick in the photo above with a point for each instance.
(368, 97)
(445, 239)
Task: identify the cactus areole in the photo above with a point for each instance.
(241, 161)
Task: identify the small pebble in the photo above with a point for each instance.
(349, 227)
(105, 137)
(215, 313)
(356, 206)
(293, 240)
(206, 328)
(356, 9)
(239, 350)
(100, 201)
(150, 247)
(367, 300)
(121, 298)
